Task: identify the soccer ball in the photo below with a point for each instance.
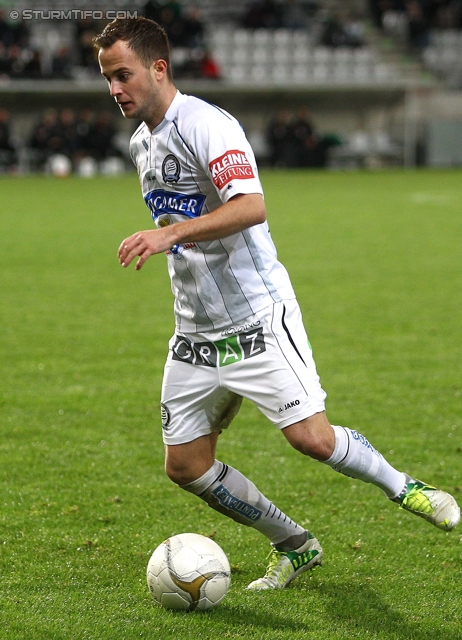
(59, 165)
(188, 572)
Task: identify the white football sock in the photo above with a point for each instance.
(228, 491)
(355, 457)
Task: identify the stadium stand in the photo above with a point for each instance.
(284, 56)
(356, 62)
(443, 56)
(431, 31)
(215, 40)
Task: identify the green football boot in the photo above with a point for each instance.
(285, 566)
(436, 506)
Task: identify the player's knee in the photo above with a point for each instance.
(177, 474)
(313, 437)
(181, 473)
(185, 463)
(315, 446)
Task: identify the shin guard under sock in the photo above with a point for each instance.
(355, 457)
(228, 491)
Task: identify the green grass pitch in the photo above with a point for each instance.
(375, 259)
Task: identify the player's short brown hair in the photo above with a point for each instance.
(145, 37)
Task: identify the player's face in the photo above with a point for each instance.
(131, 84)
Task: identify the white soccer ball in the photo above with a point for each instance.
(87, 167)
(189, 572)
(59, 165)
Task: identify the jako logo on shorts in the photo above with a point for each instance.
(288, 405)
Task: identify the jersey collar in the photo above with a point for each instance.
(171, 111)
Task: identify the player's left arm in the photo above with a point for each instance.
(240, 212)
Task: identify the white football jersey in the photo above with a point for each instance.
(193, 162)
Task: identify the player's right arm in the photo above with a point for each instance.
(240, 212)
(219, 147)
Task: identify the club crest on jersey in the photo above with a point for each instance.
(232, 165)
(170, 169)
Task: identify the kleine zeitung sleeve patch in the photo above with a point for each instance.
(232, 165)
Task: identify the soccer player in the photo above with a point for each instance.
(239, 332)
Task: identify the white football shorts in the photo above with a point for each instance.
(266, 358)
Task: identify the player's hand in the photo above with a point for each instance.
(143, 245)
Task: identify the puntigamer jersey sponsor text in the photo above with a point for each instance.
(193, 162)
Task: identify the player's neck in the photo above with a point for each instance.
(165, 100)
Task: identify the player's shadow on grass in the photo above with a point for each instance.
(351, 608)
(359, 606)
(263, 623)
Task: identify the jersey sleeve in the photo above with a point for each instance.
(226, 156)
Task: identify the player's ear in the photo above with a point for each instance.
(159, 68)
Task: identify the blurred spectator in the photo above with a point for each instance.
(83, 144)
(294, 15)
(41, 135)
(174, 24)
(153, 9)
(101, 138)
(281, 141)
(64, 140)
(447, 14)
(5, 67)
(440, 13)
(8, 155)
(263, 14)
(209, 67)
(21, 34)
(85, 30)
(54, 135)
(13, 32)
(375, 11)
(194, 28)
(378, 8)
(355, 30)
(7, 34)
(83, 128)
(418, 26)
(295, 143)
(170, 16)
(62, 63)
(333, 33)
(411, 20)
(15, 61)
(341, 33)
(310, 148)
(196, 64)
(304, 139)
(32, 66)
(421, 15)
(184, 27)
(185, 31)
